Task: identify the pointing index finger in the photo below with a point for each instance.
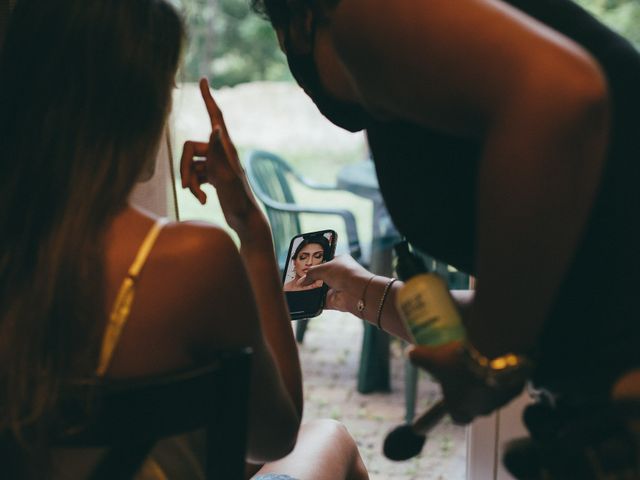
(215, 114)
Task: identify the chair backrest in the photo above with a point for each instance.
(128, 417)
(267, 174)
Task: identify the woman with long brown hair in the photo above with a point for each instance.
(90, 285)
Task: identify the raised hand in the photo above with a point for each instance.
(217, 163)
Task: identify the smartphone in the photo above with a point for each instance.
(307, 250)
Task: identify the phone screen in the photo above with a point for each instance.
(307, 250)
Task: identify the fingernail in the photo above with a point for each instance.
(217, 133)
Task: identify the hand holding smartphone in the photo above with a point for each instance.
(307, 250)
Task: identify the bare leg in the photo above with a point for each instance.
(325, 451)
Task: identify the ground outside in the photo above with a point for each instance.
(330, 355)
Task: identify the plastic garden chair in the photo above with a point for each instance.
(269, 177)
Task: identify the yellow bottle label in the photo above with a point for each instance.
(429, 311)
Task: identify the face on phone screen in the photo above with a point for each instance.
(306, 299)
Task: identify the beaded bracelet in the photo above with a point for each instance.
(387, 287)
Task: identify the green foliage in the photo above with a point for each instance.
(229, 44)
(621, 15)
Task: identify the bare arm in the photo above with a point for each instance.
(258, 256)
(222, 169)
(220, 313)
(482, 69)
(349, 282)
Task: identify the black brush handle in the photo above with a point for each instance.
(430, 418)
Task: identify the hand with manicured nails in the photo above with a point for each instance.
(344, 277)
(466, 396)
(217, 163)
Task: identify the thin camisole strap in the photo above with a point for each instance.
(122, 305)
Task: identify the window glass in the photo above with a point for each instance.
(264, 109)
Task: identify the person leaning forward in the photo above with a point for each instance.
(506, 141)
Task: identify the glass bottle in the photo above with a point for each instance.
(424, 302)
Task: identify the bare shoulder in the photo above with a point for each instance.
(210, 284)
(198, 238)
(206, 257)
(202, 261)
(198, 246)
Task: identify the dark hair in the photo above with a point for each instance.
(276, 11)
(279, 12)
(85, 88)
(314, 239)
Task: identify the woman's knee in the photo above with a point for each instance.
(328, 428)
(335, 437)
(325, 451)
(330, 435)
